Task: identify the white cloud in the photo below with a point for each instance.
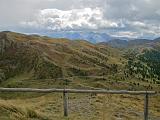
(139, 24)
(128, 34)
(158, 12)
(113, 16)
(75, 19)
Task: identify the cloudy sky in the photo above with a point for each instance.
(127, 18)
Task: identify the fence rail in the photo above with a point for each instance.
(103, 91)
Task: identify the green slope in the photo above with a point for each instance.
(52, 58)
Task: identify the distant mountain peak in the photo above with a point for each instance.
(93, 37)
(120, 43)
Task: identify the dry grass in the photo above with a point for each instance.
(81, 107)
(19, 110)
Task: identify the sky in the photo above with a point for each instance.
(121, 18)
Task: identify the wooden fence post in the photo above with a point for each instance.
(146, 107)
(65, 103)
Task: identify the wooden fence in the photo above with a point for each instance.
(66, 91)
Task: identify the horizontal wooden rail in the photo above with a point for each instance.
(75, 91)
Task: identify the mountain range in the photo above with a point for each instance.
(120, 43)
(98, 37)
(93, 37)
(47, 57)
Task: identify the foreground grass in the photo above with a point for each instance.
(81, 107)
(38, 106)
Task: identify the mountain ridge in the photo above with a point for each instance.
(120, 43)
(44, 56)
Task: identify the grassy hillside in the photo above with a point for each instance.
(145, 65)
(52, 58)
(42, 62)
